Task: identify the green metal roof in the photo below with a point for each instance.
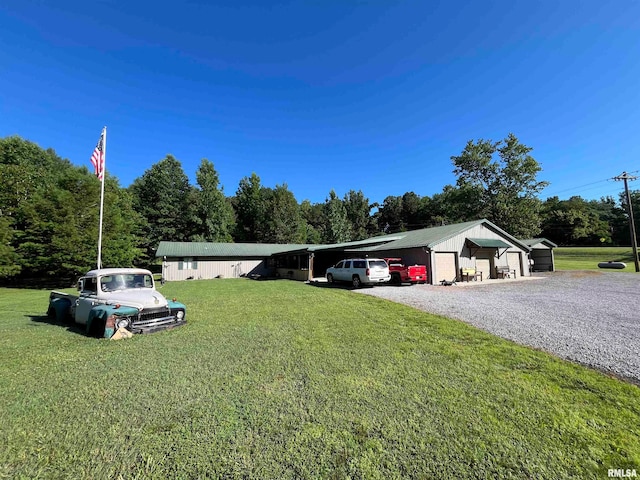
(488, 242)
(427, 237)
(530, 242)
(430, 237)
(206, 249)
(382, 239)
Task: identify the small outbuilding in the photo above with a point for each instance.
(541, 255)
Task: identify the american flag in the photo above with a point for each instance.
(97, 158)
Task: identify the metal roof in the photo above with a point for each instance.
(382, 239)
(430, 237)
(488, 243)
(426, 237)
(530, 242)
(206, 249)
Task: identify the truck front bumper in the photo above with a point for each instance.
(156, 325)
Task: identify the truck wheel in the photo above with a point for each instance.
(96, 328)
(330, 278)
(395, 279)
(356, 281)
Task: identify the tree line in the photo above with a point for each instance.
(49, 209)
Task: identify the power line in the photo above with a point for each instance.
(575, 188)
(591, 184)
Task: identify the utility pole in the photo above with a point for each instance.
(634, 243)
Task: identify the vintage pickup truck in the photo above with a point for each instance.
(114, 298)
(401, 273)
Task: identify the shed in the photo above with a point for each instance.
(541, 255)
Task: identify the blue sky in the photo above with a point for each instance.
(365, 95)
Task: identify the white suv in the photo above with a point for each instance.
(359, 271)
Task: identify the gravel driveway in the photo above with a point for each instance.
(591, 317)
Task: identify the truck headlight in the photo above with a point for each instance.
(123, 322)
(180, 314)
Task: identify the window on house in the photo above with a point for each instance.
(188, 263)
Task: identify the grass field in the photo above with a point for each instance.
(587, 258)
(278, 379)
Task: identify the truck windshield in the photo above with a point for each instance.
(110, 283)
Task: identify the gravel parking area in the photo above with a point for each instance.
(590, 317)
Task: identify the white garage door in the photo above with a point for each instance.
(484, 265)
(513, 259)
(445, 267)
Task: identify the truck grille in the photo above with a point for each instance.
(153, 319)
(151, 314)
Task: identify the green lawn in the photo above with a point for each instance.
(279, 379)
(587, 258)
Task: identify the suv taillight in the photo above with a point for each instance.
(368, 272)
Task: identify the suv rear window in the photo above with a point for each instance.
(377, 263)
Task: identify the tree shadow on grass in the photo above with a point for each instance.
(68, 325)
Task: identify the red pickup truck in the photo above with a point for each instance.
(400, 273)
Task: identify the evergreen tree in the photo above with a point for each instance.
(162, 196)
(9, 265)
(49, 217)
(214, 214)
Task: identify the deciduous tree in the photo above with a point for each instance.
(250, 210)
(358, 211)
(504, 176)
(283, 223)
(573, 222)
(337, 227)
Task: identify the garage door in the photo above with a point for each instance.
(484, 265)
(513, 259)
(445, 267)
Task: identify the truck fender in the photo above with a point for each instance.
(102, 319)
(97, 322)
(60, 308)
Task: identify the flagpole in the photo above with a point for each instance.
(104, 168)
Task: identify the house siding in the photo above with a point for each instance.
(468, 258)
(218, 268)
